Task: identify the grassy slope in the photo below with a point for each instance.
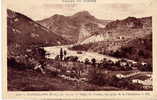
(27, 80)
(23, 30)
(138, 49)
(24, 33)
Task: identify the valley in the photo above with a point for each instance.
(82, 55)
(79, 53)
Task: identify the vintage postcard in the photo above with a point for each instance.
(79, 49)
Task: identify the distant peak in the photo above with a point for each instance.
(131, 17)
(58, 15)
(82, 13)
(9, 10)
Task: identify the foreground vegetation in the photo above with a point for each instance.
(30, 80)
(67, 73)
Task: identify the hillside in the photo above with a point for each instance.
(139, 49)
(23, 32)
(126, 29)
(121, 34)
(76, 27)
(28, 80)
(131, 22)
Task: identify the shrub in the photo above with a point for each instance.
(135, 86)
(97, 79)
(93, 61)
(12, 62)
(87, 61)
(71, 58)
(147, 67)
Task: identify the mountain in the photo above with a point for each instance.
(23, 32)
(131, 22)
(126, 29)
(75, 28)
(119, 36)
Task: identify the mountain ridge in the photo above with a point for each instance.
(128, 28)
(23, 32)
(70, 26)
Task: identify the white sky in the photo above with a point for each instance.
(109, 10)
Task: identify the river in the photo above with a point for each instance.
(55, 50)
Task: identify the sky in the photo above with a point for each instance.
(101, 9)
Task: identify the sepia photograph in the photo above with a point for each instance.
(72, 46)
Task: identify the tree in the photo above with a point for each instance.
(93, 61)
(65, 52)
(141, 53)
(57, 57)
(104, 61)
(75, 58)
(61, 54)
(42, 54)
(87, 61)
